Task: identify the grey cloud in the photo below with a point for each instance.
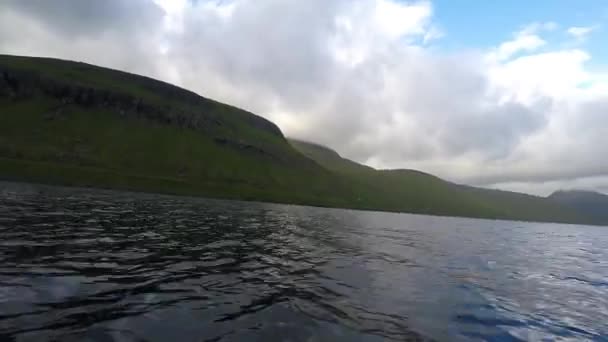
(576, 153)
(544, 188)
(89, 17)
(564, 172)
(499, 129)
(277, 48)
(113, 33)
(445, 101)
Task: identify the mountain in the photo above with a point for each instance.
(592, 204)
(78, 124)
(418, 192)
(72, 123)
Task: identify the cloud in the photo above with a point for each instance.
(580, 32)
(543, 188)
(526, 40)
(122, 34)
(87, 18)
(537, 27)
(363, 77)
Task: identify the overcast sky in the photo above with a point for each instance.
(518, 104)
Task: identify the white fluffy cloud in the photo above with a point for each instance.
(363, 77)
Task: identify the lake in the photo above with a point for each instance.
(81, 264)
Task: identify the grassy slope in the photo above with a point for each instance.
(593, 204)
(96, 146)
(99, 146)
(418, 192)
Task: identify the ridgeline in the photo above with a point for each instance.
(72, 123)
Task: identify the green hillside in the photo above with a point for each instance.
(418, 192)
(593, 204)
(72, 123)
(77, 124)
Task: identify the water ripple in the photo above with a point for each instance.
(79, 264)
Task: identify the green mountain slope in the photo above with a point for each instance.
(77, 124)
(414, 191)
(590, 203)
(72, 123)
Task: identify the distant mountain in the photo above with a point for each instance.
(71, 123)
(590, 203)
(419, 192)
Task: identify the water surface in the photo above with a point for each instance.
(79, 264)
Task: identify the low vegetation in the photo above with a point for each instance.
(72, 123)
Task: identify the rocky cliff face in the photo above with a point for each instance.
(182, 108)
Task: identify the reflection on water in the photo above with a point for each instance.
(80, 264)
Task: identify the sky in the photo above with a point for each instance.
(504, 94)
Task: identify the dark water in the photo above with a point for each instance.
(97, 265)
